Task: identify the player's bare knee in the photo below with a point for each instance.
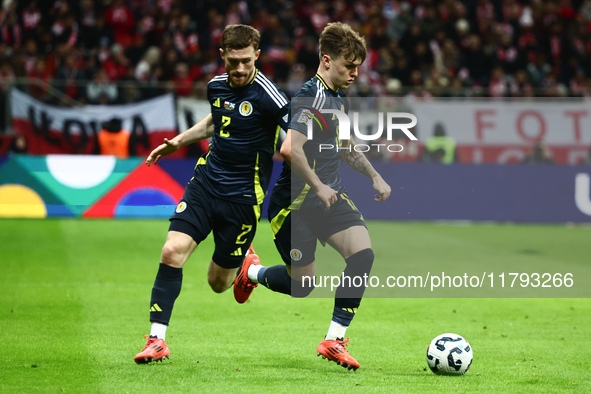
(171, 255)
(219, 278)
(219, 285)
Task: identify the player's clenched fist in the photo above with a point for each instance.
(327, 195)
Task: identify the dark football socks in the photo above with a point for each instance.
(347, 296)
(275, 278)
(167, 288)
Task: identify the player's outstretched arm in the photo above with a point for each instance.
(203, 129)
(294, 154)
(358, 162)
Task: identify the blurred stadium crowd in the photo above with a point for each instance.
(120, 51)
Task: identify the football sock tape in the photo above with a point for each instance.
(335, 331)
(158, 330)
(253, 272)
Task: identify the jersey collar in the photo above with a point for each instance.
(256, 72)
(326, 85)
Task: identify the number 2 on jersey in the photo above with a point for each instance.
(226, 120)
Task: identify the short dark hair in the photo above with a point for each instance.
(239, 37)
(339, 39)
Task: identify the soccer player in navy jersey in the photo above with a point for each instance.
(230, 181)
(308, 202)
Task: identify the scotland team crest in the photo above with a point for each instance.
(245, 108)
(296, 254)
(181, 207)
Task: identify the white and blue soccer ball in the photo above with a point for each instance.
(449, 354)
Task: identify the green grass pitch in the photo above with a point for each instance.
(75, 296)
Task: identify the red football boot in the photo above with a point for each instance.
(249, 251)
(243, 286)
(335, 351)
(155, 350)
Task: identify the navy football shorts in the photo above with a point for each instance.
(297, 238)
(233, 224)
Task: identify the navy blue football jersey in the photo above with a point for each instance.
(246, 121)
(306, 104)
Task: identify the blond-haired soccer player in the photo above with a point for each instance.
(309, 203)
(230, 181)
